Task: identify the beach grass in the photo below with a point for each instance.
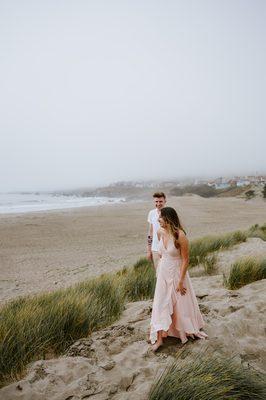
(245, 271)
(201, 248)
(31, 327)
(208, 377)
(257, 231)
(210, 264)
(139, 282)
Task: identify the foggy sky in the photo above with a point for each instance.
(93, 92)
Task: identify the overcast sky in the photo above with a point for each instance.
(96, 91)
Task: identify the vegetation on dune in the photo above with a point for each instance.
(208, 377)
(34, 326)
(233, 191)
(200, 190)
(139, 281)
(200, 248)
(258, 231)
(264, 191)
(245, 271)
(250, 194)
(209, 191)
(31, 327)
(210, 264)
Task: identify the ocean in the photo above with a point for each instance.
(34, 202)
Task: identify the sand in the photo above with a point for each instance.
(117, 362)
(44, 251)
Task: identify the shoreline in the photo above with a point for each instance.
(44, 251)
(23, 209)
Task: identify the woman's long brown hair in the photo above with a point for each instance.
(170, 216)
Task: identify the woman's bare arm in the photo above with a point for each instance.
(159, 233)
(184, 251)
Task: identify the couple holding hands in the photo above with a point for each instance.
(175, 309)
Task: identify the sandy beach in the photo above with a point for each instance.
(44, 251)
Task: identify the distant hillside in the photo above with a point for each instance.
(134, 192)
(208, 191)
(234, 191)
(127, 191)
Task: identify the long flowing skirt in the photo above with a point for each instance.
(178, 314)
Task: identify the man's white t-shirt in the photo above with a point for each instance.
(153, 219)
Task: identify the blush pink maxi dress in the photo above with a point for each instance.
(172, 312)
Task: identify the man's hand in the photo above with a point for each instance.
(149, 244)
(180, 288)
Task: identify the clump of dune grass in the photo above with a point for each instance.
(257, 231)
(208, 377)
(200, 248)
(210, 264)
(244, 271)
(139, 282)
(31, 327)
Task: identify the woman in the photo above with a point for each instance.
(175, 310)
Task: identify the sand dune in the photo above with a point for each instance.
(253, 247)
(117, 362)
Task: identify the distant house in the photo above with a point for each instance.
(261, 180)
(211, 184)
(223, 185)
(232, 182)
(242, 183)
(219, 185)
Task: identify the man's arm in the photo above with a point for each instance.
(149, 242)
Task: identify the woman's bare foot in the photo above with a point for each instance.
(156, 345)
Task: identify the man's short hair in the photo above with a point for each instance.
(159, 194)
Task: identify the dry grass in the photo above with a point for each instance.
(31, 327)
(245, 271)
(201, 248)
(257, 231)
(208, 377)
(210, 264)
(139, 281)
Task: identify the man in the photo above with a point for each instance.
(153, 241)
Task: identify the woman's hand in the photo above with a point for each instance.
(180, 288)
